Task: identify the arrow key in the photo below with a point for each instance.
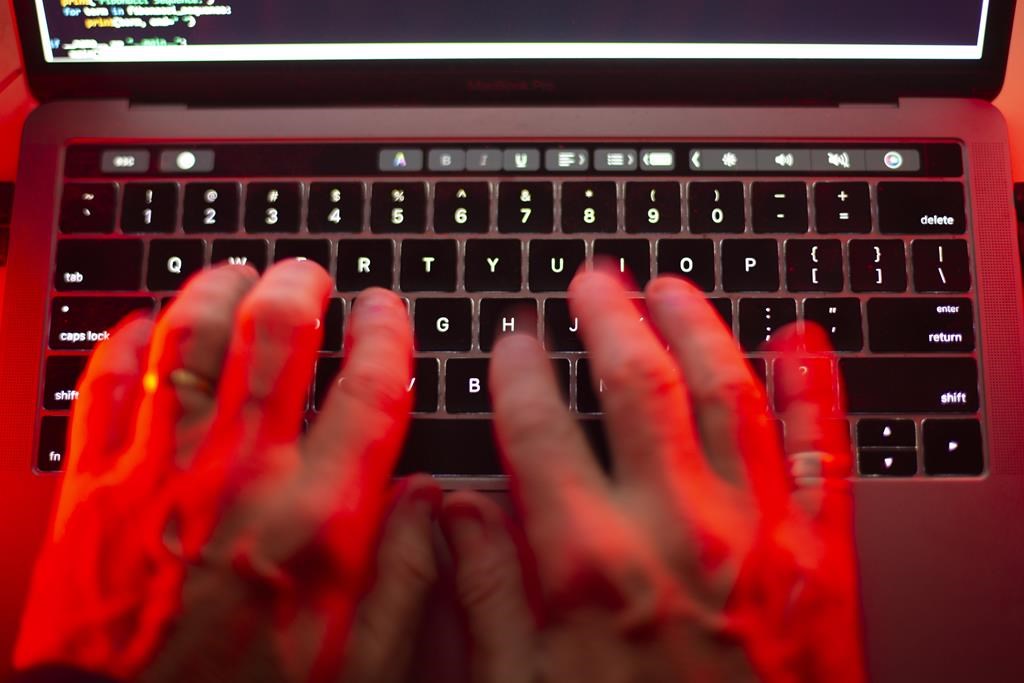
(888, 462)
(886, 434)
(953, 447)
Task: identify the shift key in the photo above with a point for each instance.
(79, 323)
(910, 385)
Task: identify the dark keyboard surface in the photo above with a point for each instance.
(879, 256)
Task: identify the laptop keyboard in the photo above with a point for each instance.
(871, 243)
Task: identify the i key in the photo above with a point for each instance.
(630, 257)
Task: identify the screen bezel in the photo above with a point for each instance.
(523, 82)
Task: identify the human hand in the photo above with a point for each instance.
(198, 535)
(701, 557)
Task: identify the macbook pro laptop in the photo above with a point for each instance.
(830, 161)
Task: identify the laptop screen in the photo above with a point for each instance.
(129, 31)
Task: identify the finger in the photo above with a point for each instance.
(647, 412)
(384, 632)
(729, 403)
(490, 588)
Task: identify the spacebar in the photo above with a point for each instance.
(466, 447)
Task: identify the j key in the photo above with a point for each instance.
(241, 253)
(98, 265)
(553, 263)
(364, 263)
(693, 259)
(444, 324)
(878, 266)
(526, 207)
(463, 447)
(429, 265)
(53, 439)
(814, 265)
(172, 262)
(716, 207)
(425, 383)
(88, 207)
(465, 386)
(327, 370)
(779, 207)
(81, 323)
(334, 326)
(630, 257)
(723, 307)
(653, 207)
(494, 266)
(920, 325)
(886, 434)
(398, 207)
(561, 329)
(150, 208)
(761, 318)
(335, 207)
(588, 392)
(462, 207)
(62, 375)
(817, 372)
(841, 320)
(589, 207)
(273, 207)
(921, 208)
(910, 385)
(318, 251)
(750, 265)
(506, 316)
(887, 462)
(842, 207)
(953, 447)
(941, 266)
(211, 207)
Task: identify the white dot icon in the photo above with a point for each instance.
(893, 160)
(64, 309)
(186, 161)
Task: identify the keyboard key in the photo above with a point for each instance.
(953, 447)
(425, 383)
(563, 370)
(653, 207)
(589, 207)
(335, 207)
(886, 433)
(334, 326)
(920, 325)
(273, 207)
(327, 370)
(462, 207)
(444, 324)
(364, 263)
(750, 265)
(629, 257)
(878, 266)
(464, 447)
(429, 265)
(814, 265)
(587, 392)
(921, 208)
(841, 320)
(842, 207)
(172, 262)
(150, 207)
(98, 265)
(693, 259)
(466, 386)
(53, 439)
(561, 329)
(759, 366)
(553, 264)
(887, 462)
(819, 372)
(910, 385)
(723, 307)
(494, 266)
(941, 266)
(80, 323)
(779, 207)
(88, 207)
(506, 316)
(761, 318)
(398, 207)
(211, 207)
(716, 207)
(526, 207)
(318, 251)
(241, 253)
(62, 376)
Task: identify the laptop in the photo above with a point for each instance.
(832, 162)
